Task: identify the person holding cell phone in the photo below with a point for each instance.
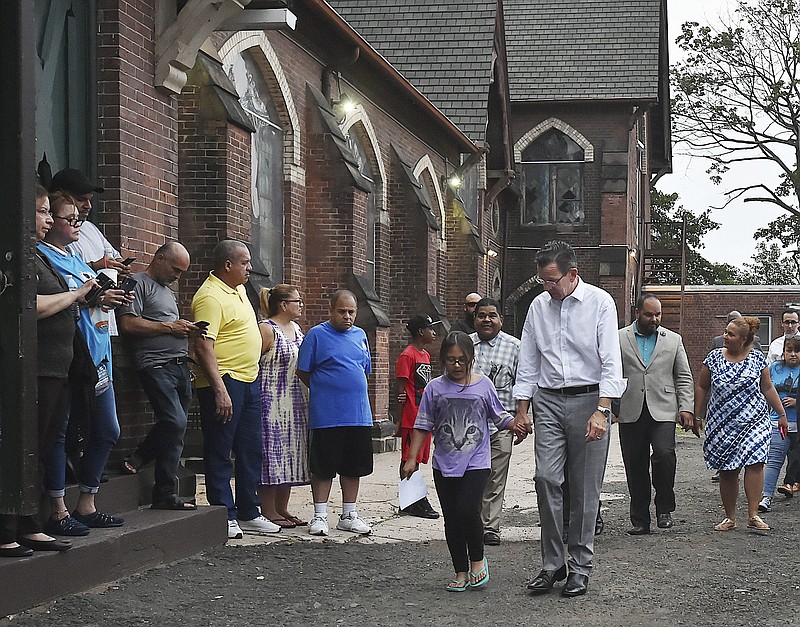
(785, 375)
(101, 410)
(93, 247)
(159, 338)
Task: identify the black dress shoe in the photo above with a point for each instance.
(665, 521)
(46, 545)
(17, 551)
(638, 530)
(544, 581)
(576, 585)
(419, 510)
(491, 538)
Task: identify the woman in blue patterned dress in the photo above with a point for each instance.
(284, 405)
(738, 427)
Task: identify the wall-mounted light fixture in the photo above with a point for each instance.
(492, 249)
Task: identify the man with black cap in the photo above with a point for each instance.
(413, 373)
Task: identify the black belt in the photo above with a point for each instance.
(573, 391)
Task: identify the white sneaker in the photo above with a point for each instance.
(234, 530)
(259, 524)
(318, 526)
(765, 505)
(353, 523)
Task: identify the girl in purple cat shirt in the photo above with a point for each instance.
(457, 408)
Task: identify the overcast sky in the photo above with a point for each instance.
(733, 242)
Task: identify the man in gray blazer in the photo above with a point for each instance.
(660, 391)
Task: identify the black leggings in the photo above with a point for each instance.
(461, 499)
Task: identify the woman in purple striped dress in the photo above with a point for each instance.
(284, 405)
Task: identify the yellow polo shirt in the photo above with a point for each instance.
(232, 325)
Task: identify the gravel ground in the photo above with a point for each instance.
(689, 575)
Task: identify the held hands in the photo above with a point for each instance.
(688, 421)
(408, 468)
(521, 426)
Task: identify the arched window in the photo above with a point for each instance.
(266, 153)
(552, 172)
(356, 146)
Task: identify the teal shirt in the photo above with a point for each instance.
(646, 344)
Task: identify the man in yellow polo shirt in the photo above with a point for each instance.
(229, 397)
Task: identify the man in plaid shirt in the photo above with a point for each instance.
(496, 356)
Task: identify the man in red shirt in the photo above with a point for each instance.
(412, 373)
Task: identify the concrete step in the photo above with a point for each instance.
(149, 538)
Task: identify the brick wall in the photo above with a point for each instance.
(137, 164)
(705, 309)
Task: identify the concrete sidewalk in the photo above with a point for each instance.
(378, 504)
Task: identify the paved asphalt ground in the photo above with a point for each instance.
(689, 575)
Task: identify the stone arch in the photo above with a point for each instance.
(359, 116)
(256, 41)
(527, 138)
(423, 164)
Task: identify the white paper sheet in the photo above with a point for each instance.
(412, 489)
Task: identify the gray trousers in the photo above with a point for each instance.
(560, 440)
(502, 444)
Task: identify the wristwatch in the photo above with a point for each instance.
(604, 410)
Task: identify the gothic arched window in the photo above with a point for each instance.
(552, 172)
(365, 169)
(266, 154)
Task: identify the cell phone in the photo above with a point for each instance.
(128, 285)
(129, 261)
(782, 431)
(202, 324)
(104, 283)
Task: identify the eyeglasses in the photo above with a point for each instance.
(293, 300)
(452, 361)
(791, 322)
(542, 281)
(71, 221)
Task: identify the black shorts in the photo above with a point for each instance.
(340, 450)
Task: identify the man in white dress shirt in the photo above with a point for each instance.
(570, 368)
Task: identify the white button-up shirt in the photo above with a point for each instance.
(571, 343)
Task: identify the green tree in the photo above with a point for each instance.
(737, 96)
(665, 233)
(771, 266)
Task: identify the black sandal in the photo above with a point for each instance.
(174, 502)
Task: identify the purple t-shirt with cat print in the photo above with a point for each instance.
(459, 418)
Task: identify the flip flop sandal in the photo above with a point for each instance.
(726, 525)
(757, 524)
(129, 466)
(285, 523)
(481, 577)
(457, 585)
(299, 522)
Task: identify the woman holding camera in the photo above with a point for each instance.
(101, 410)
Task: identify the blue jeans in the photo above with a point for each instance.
(169, 388)
(777, 453)
(103, 435)
(242, 435)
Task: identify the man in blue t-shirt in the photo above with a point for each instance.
(334, 362)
